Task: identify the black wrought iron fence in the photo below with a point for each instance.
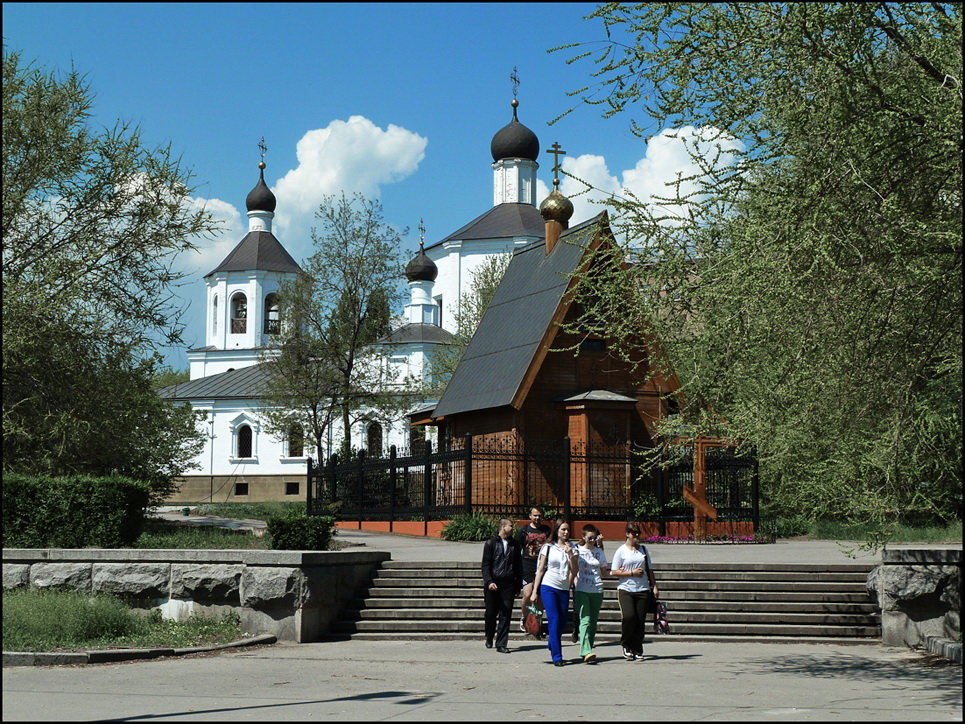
(505, 477)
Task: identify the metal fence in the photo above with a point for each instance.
(506, 477)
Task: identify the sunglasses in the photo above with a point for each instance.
(634, 533)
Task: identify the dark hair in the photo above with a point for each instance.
(590, 528)
(536, 508)
(633, 528)
(555, 535)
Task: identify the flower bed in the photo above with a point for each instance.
(711, 539)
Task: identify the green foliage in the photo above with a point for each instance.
(804, 277)
(325, 367)
(784, 527)
(470, 527)
(91, 222)
(72, 511)
(164, 534)
(301, 532)
(47, 620)
(252, 511)
(166, 376)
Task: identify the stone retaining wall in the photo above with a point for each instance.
(919, 593)
(294, 595)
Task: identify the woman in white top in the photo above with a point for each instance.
(588, 595)
(634, 590)
(555, 570)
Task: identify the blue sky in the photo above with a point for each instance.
(399, 101)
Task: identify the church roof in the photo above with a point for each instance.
(241, 384)
(502, 222)
(261, 251)
(409, 333)
(508, 338)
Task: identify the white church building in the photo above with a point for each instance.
(241, 461)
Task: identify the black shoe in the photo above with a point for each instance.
(559, 663)
(575, 637)
(502, 649)
(489, 644)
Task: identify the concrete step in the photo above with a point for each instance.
(668, 596)
(664, 577)
(604, 627)
(795, 567)
(677, 616)
(665, 585)
(518, 639)
(477, 603)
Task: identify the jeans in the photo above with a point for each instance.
(587, 607)
(556, 603)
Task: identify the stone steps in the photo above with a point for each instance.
(706, 602)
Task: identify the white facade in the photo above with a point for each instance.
(238, 447)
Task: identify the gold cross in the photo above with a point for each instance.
(557, 152)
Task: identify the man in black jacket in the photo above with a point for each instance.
(502, 573)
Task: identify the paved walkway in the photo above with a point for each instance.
(463, 681)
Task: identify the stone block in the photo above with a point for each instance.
(210, 584)
(138, 581)
(271, 588)
(16, 575)
(72, 576)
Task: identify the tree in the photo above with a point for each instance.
(91, 221)
(807, 289)
(326, 369)
(470, 308)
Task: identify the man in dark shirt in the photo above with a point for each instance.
(531, 538)
(502, 573)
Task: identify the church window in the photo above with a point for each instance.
(272, 318)
(239, 313)
(244, 441)
(241, 488)
(296, 442)
(374, 439)
(439, 305)
(593, 345)
(214, 315)
(291, 488)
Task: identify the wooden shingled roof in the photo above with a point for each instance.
(519, 324)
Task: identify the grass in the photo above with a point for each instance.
(48, 620)
(165, 534)
(250, 511)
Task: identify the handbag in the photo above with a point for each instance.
(533, 621)
(660, 624)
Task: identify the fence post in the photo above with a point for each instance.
(393, 479)
(361, 485)
(566, 479)
(332, 480)
(661, 500)
(426, 488)
(467, 474)
(308, 487)
(756, 495)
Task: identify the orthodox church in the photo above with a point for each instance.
(241, 460)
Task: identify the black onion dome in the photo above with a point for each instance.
(260, 198)
(514, 140)
(421, 268)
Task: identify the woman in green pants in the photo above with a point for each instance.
(588, 596)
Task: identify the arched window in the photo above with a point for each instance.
(239, 313)
(374, 439)
(272, 318)
(296, 441)
(244, 441)
(214, 315)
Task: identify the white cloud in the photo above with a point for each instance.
(667, 158)
(211, 251)
(345, 156)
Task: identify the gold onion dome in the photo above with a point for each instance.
(556, 207)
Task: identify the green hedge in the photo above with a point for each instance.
(470, 527)
(301, 532)
(76, 511)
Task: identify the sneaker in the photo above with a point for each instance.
(638, 657)
(559, 663)
(628, 655)
(522, 628)
(575, 637)
(589, 659)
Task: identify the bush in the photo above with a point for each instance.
(296, 532)
(784, 527)
(75, 511)
(471, 527)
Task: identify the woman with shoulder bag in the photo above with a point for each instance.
(555, 570)
(637, 591)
